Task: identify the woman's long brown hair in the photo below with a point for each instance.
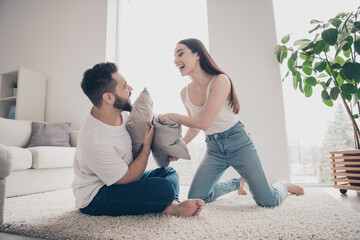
(209, 66)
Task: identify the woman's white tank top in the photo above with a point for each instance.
(225, 120)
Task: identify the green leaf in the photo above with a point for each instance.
(287, 74)
(334, 93)
(290, 64)
(356, 75)
(310, 81)
(330, 36)
(357, 46)
(281, 54)
(340, 60)
(308, 90)
(325, 95)
(349, 69)
(336, 66)
(342, 74)
(357, 24)
(323, 84)
(347, 53)
(285, 39)
(320, 66)
(348, 88)
(316, 28)
(306, 68)
(340, 79)
(335, 22)
(358, 93)
(294, 56)
(319, 47)
(328, 103)
(349, 41)
(322, 75)
(328, 82)
(356, 116)
(296, 80)
(342, 14)
(302, 42)
(307, 46)
(315, 21)
(347, 96)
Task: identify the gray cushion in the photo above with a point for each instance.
(140, 117)
(167, 142)
(5, 161)
(50, 134)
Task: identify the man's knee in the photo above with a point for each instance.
(163, 188)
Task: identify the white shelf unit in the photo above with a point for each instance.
(30, 97)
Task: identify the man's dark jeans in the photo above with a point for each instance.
(153, 193)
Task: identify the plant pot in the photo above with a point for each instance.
(346, 170)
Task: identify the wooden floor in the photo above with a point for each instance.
(351, 199)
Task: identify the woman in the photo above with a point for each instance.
(212, 105)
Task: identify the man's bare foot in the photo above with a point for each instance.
(292, 188)
(241, 190)
(191, 207)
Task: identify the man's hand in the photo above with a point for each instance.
(173, 159)
(148, 136)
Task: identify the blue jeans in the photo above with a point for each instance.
(234, 147)
(153, 193)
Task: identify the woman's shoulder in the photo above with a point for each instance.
(221, 79)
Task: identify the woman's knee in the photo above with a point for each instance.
(271, 202)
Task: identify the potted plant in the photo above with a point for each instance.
(13, 85)
(328, 58)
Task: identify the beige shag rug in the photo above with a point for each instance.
(313, 216)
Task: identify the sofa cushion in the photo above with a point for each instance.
(50, 134)
(5, 161)
(52, 157)
(22, 158)
(167, 142)
(15, 132)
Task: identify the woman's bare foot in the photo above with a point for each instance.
(295, 189)
(292, 188)
(241, 190)
(191, 207)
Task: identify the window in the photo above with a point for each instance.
(307, 119)
(148, 34)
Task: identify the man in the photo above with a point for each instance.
(108, 181)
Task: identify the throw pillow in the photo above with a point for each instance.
(167, 142)
(50, 134)
(139, 118)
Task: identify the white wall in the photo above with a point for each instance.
(241, 40)
(60, 39)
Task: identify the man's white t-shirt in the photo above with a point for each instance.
(102, 157)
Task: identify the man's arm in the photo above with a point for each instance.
(137, 167)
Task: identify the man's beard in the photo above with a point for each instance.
(122, 103)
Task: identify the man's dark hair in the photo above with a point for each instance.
(97, 81)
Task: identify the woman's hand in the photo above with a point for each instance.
(167, 115)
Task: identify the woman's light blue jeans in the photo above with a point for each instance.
(234, 147)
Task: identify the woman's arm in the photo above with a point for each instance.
(219, 93)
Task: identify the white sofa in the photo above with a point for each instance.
(31, 170)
